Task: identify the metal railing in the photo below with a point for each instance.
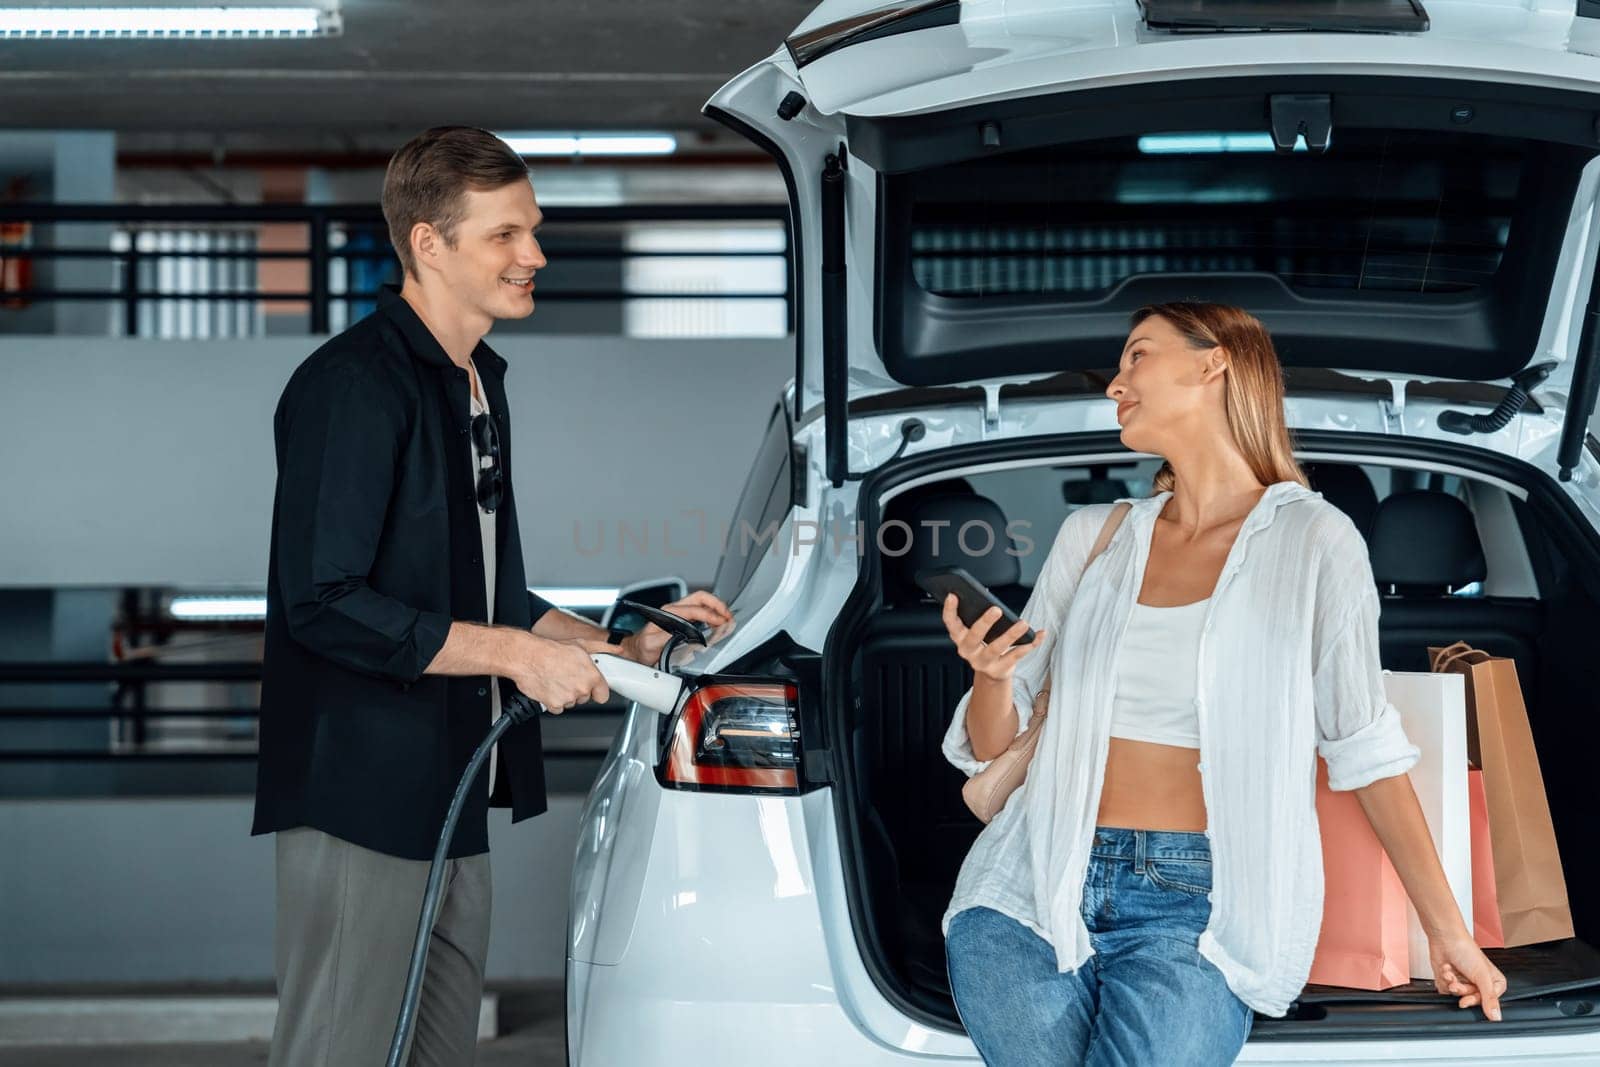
(129, 711)
(338, 237)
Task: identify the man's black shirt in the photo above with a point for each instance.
(375, 550)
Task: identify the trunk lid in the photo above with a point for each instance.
(1011, 180)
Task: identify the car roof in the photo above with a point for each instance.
(986, 50)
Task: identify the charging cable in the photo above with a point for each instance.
(651, 687)
(518, 709)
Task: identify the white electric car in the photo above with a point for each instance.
(982, 192)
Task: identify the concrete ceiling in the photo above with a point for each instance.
(403, 65)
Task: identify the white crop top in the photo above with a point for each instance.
(1156, 676)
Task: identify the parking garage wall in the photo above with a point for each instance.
(151, 463)
(145, 464)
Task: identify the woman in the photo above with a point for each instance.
(1159, 875)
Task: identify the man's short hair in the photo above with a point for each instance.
(428, 178)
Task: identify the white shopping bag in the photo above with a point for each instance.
(1433, 710)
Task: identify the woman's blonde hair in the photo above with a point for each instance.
(1253, 394)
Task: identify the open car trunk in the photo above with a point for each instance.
(905, 830)
(981, 195)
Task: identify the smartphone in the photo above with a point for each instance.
(972, 599)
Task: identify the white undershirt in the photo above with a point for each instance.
(1157, 665)
(478, 403)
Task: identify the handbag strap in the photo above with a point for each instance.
(1119, 511)
(1113, 520)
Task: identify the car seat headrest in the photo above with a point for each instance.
(1425, 539)
(958, 530)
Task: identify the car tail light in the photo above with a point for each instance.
(736, 736)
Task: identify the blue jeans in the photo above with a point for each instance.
(1146, 996)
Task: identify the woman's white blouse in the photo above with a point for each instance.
(1288, 667)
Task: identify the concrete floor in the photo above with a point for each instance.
(532, 1025)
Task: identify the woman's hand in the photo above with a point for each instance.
(1461, 969)
(996, 660)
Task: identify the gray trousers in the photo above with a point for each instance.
(346, 919)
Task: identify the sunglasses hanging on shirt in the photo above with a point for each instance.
(491, 482)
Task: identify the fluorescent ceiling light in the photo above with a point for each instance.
(91, 23)
(218, 607)
(579, 597)
(1162, 143)
(591, 144)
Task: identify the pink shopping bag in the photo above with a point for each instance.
(1364, 942)
(1487, 930)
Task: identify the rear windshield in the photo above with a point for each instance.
(1419, 251)
(1388, 211)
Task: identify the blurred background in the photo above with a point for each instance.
(184, 217)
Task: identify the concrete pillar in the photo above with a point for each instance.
(84, 171)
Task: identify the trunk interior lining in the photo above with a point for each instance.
(916, 831)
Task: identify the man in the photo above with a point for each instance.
(397, 606)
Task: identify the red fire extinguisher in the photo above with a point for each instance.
(16, 269)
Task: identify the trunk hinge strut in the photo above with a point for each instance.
(835, 323)
(1585, 386)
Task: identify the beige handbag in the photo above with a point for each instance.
(987, 791)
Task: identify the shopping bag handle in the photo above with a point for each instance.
(1460, 651)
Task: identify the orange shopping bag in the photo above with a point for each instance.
(1529, 881)
(1364, 940)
